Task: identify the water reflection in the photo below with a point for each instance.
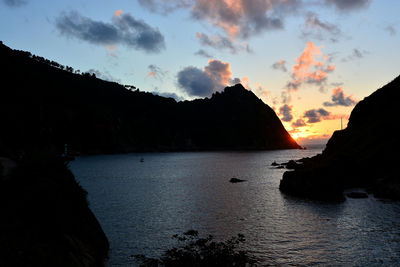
(142, 204)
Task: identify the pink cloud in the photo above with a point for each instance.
(118, 13)
(308, 69)
(219, 71)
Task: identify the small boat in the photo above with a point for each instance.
(141, 159)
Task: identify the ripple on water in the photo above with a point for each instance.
(142, 204)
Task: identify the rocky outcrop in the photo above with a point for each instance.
(236, 180)
(45, 219)
(362, 155)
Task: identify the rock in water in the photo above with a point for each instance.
(236, 180)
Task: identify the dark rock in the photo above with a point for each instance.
(351, 155)
(46, 220)
(236, 180)
(357, 195)
(275, 164)
(291, 164)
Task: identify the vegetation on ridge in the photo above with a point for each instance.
(43, 105)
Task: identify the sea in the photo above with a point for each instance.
(142, 199)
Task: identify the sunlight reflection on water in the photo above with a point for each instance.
(142, 204)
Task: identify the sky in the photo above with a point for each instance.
(311, 61)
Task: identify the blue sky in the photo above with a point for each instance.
(152, 44)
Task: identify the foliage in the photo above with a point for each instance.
(202, 251)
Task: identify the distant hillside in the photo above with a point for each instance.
(365, 154)
(45, 104)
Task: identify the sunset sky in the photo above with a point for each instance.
(310, 60)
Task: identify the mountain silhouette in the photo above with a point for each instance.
(47, 105)
(365, 154)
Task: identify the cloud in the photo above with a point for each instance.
(220, 42)
(239, 18)
(339, 98)
(280, 65)
(309, 70)
(347, 5)
(217, 41)
(155, 72)
(203, 53)
(104, 75)
(124, 29)
(286, 112)
(195, 82)
(315, 115)
(15, 3)
(165, 6)
(317, 29)
(203, 82)
(261, 92)
(356, 54)
(298, 123)
(234, 81)
(118, 12)
(246, 18)
(391, 30)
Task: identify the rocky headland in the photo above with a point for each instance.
(365, 154)
(46, 104)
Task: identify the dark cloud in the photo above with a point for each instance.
(357, 53)
(391, 30)
(214, 77)
(195, 82)
(286, 112)
(15, 3)
(245, 18)
(299, 123)
(218, 42)
(241, 18)
(124, 29)
(234, 81)
(340, 99)
(237, 18)
(315, 115)
(203, 53)
(317, 29)
(280, 65)
(349, 4)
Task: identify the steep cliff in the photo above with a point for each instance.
(45, 219)
(365, 154)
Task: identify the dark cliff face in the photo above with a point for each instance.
(362, 155)
(44, 104)
(45, 218)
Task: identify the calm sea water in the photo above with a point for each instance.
(140, 205)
